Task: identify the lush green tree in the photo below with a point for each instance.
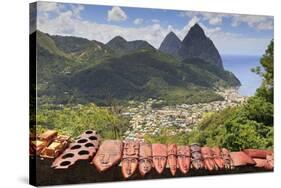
(73, 120)
(241, 132)
(267, 72)
(259, 109)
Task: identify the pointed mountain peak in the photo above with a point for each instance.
(198, 45)
(195, 31)
(196, 28)
(171, 34)
(171, 44)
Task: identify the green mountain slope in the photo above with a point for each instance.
(52, 61)
(46, 42)
(59, 55)
(94, 52)
(148, 73)
(72, 69)
(121, 46)
(70, 44)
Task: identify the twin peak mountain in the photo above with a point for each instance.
(195, 45)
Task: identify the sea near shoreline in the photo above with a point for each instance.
(241, 66)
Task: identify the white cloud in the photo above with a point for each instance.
(265, 25)
(212, 18)
(138, 21)
(76, 9)
(47, 6)
(258, 22)
(116, 14)
(215, 21)
(68, 22)
(45, 9)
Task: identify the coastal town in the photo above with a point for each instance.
(145, 119)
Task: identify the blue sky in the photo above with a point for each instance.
(231, 33)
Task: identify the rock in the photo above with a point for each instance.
(197, 45)
(171, 44)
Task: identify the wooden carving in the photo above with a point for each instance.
(159, 157)
(130, 158)
(145, 158)
(207, 155)
(108, 155)
(228, 163)
(196, 157)
(183, 154)
(270, 161)
(258, 153)
(217, 157)
(172, 158)
(83, 148)
(240, 158)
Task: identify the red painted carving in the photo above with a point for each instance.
(217, 157)
(266, 163)
(240, 158)
(145, 158)
(49, 145)
(260, 163)
(228, 163)
(130, 158)
(108, 155)
(159, 157)
(196, 157)
(172, 158)
(84, 148)
(183, 153)
(258, 153)
(270, 162)
(207, 155)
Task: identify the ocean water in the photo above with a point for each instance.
(241, 67)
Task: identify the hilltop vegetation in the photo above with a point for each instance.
(121, 46)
